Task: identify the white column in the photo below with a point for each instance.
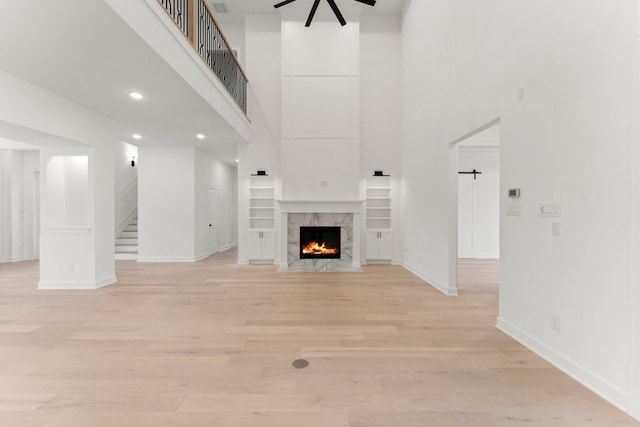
(76, 241)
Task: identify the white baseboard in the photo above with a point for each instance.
(202, 256)
(242, 261)
(488, 255)
(479, 255)
(167, 259)
(610, 392)
(445, 289)
(18, 259)
(76, 286)
(225, 248)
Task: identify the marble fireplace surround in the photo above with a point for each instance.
(344, 213)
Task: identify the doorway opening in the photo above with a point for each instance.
(213, 212)
(475, 236)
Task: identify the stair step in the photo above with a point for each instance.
(126, 248)
(126, 241)
(126, 256)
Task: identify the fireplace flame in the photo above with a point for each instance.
(317, 249)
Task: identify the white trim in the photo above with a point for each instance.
(488, 255)
(320, 206)
(168, 259)
(439, 286)
(610, 392)
(77, 286)
(67, 230)
(203, 256)
(225, 248)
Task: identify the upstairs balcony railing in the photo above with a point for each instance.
(197, 22)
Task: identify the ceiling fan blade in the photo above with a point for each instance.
(369, 2)
(312, 13)
(335, 9)
(285, 2)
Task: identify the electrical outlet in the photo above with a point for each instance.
(521, 94)
(555, 323)
(72, 267)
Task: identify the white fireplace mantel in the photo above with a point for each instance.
(320, 206)
(288, 207)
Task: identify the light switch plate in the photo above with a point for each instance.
(549, 209)
(513, 209)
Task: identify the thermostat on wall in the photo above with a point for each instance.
(514, 192)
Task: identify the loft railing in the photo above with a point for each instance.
(196, 21)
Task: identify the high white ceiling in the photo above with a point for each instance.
(82, 50)
(238, 9)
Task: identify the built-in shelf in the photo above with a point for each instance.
(378, 203)
(378, 219)
(261, 202)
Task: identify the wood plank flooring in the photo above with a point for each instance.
(211, 344)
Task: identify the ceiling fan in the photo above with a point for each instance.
(333, 5)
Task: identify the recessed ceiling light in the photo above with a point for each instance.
(200, 136)
(136, 95)
(237, 160)
(136, 136)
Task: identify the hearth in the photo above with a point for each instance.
(319, 242)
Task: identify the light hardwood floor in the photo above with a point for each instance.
(211, 344)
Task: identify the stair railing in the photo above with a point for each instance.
(198, 23)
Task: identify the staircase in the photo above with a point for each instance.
(127, 243)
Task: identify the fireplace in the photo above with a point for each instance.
(319, 242)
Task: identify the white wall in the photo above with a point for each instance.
(381, 111)
(17, 206)
(566, 141)
(173, 211)
(263, 60)
(126, 184)
(484, 209)
(212, 173)
(320, 111)
(5, 206)
(40, 117)
(166, 204)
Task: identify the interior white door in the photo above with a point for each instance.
(36, 214)
(467, 192)
(214, 219)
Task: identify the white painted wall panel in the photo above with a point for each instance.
(319, 50)
(464, 66)
(321, 107)
(166, 204)
(314, 171)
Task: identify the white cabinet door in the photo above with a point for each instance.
(384, 244)
(372, 250)
(268, 245)
(378, 244)
(255, 244)
(261, 244)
